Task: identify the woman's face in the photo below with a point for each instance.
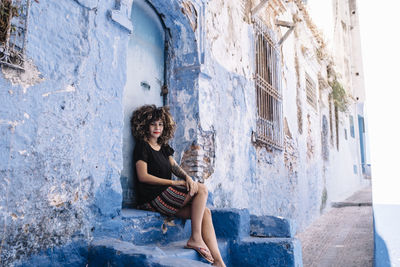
(156, 128)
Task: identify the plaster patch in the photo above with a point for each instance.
(23, 152)
(25, 79)
(191, 13)
(12, 124)
(68, 89)
(57, 200)
(184, 36)
(310, 140)
(14, 216)
(116, 50)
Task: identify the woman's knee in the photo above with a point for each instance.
(207, 212)
(202, 189)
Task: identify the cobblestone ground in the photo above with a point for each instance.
(341, 237)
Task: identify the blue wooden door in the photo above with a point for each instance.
(145, 78)
(361, 132)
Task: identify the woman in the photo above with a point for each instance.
(152, 128)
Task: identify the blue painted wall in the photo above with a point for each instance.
(61, 121)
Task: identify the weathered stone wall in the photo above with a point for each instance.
(300, 181)
(61, 120)
(60, 128)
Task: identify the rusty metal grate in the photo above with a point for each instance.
(268, 89)
(13, 28)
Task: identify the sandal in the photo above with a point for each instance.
(205, 253)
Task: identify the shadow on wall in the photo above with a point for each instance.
(386, 235)
(381, 254)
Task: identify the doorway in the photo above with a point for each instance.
(144, 82)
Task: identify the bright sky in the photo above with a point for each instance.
(379, 24)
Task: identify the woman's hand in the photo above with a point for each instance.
(178, 182)
(191, 186)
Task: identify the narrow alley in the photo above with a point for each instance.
(343, 236)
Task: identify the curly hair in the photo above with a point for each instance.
(143, 116)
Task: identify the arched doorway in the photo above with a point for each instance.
(145, 79)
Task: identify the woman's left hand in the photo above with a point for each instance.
(191, 186)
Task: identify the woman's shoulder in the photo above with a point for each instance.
(141, 145)
(168, 149)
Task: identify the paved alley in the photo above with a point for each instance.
(343, 236)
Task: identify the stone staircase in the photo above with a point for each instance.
(143, 238)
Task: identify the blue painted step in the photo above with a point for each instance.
(142, 238)
(271, 226)
(177, 250)
(268, 252)
(114, 252)
(233, 228)
(144, 227)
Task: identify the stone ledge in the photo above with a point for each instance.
(271, 226)
(268, 252)
(145, 227)
(115, 252)
(231, 223)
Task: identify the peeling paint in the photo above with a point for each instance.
(68, 89)
(61, 165)
(191, 13)
(27, 78)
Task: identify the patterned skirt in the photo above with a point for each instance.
(168, 202)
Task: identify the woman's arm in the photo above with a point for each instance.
(177, 170)
(145, 177)
(191, 186)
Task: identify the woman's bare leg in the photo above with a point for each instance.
(196, 214)
(210, 238)
(207, 230)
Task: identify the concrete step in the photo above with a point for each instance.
(271, 226)
(141, 227)
(114, 252)
(177, 250)
(146, 227)
(268, 252)
(231, 224)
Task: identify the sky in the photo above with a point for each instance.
(380, 44)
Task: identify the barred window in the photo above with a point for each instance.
(268, 88)
(311, 91)
(13, 27)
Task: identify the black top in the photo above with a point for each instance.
(157, 165)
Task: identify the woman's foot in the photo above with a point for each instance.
(201, 248)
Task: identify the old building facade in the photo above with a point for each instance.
(269, 108)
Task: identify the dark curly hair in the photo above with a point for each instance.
(144, 115)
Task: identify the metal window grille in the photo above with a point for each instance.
(13, 28)
(311, 90)
(268, 88)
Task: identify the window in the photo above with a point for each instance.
(13, 23)
(351, 126)
(268, 88)
(311, 91)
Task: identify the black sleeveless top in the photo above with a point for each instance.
(157, 164)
